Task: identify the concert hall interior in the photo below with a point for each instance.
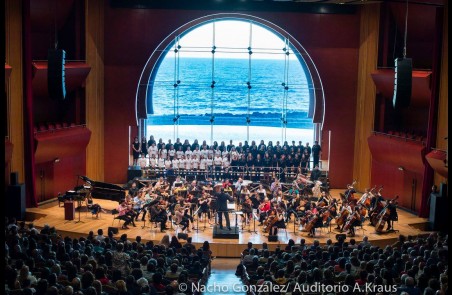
(78, 83)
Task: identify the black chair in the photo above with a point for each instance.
(114, 212)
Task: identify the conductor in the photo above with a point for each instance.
(222, 207)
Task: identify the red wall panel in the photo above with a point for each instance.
(405, 184)
(331, 40)
(398, 165)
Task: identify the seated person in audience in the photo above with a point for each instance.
(172, 273)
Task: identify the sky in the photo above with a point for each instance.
(232, 38)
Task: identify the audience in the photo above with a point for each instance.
(43, 262)
(413, 265)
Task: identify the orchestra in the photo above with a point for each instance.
(277, 203)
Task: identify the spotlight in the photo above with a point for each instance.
(56, 160)
(401, 168)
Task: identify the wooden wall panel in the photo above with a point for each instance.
(14, 87)
(94, 31)
(365, 105)
(443, 114)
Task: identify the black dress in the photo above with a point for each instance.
(136, 146)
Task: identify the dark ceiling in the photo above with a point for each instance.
(313, 6)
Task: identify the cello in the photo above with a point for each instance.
(366, 203)
(351, 219)
(384, 216)
(327, 212)
(340, 220)
(312, 222)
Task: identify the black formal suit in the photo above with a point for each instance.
(222, 208)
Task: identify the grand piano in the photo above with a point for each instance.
(104, 190)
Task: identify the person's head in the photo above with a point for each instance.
(121, 285)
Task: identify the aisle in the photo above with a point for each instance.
(222, 279)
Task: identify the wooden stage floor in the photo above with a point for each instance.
(51, 214)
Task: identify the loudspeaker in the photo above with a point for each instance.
(272, 238)
(15, 201)
(56, 82)
(402, 82)
(182, 236)
(443, 189)
(14, 178)
(341, 237)
(133, 172)
(438, 212)
(114, 230)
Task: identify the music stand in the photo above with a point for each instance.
(240, 213)
(254, 223)
(79, 202)
(295, 225)
(197, 220)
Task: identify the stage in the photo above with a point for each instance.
(53, 215)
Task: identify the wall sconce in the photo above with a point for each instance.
(401, 168)
(56, 160)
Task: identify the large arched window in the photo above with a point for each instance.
(230, 79)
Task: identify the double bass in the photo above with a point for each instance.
(373, 213)
(384, 216)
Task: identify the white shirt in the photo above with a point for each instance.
(188, 154)
(175, 163)
(167, 164)
(218, 160)
(234, 155)
(161, 163)
(197, 153)
(152, 150)
(153, 162)
(143, 162)
(217, 153)
(195, 163)
(182, 163)
(188, 164)
(226, 162)
(364, 197)
(204, 153)
(203, 164)
(172, 152)
(163, 153)
(209, 162)
(179, 154)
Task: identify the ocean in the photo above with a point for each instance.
(230, 101)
